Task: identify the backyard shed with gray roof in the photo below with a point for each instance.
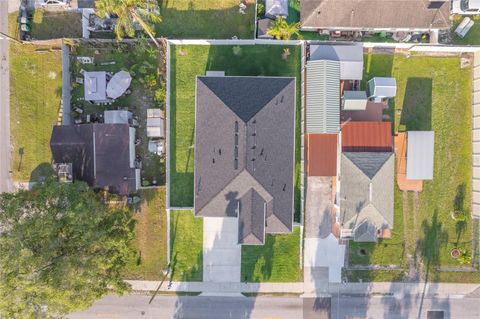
(244, 153)
(323, 96)
(95, 85)
(382, 87)
(349, 56)
(420, 154)
(366, 193)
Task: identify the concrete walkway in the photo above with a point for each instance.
(66, 118)
(222, 256)
(429, 290)
(5, 177)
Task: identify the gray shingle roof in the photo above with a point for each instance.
(365, 232)
(99, 153)
(366, 191)
(323, 96)
(251, 222)
(244, 141)
(378, 14)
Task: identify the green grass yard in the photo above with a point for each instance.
(36, 88)
(53, 25)
(206, 19)
(432, 94)
(150, 240)
(186, 244)
(189, 61)
(276, 261)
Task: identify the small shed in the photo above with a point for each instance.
(275, 8)
(420, 151)
(95, 85)
(381, 88)
(117, 117)
(354, 100)
(155, 123)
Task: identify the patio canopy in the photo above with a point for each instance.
(420, 154)
(95, 83)
(118, 84)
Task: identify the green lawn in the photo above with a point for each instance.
(276, 261)
(206, 19)
(53, 25)
(150, 239)
(432, 94)
(186, 243)
(472, 37)
(36, 89)
(189, 61)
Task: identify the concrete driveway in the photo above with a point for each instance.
(221, 252)
(323, 255)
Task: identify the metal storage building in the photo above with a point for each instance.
(420, 151)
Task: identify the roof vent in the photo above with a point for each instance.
(125, 178)
(281, 100)
(284, 187)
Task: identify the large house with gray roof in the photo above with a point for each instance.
(366, 195)
(244, 153)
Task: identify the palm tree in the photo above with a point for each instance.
(130, 12)
(281, 30)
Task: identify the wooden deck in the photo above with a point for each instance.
(415, 185)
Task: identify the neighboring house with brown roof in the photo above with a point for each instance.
(367, 137)
(374, 15)
(244, 153)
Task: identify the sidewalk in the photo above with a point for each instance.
(218, 287)
(381, 288)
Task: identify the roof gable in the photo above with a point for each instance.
(368, 162)
(245, 96)
(243, 149)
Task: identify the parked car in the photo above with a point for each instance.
(54, 2)
(466, 7)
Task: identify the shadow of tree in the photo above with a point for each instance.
(41, 172)
(435, 236)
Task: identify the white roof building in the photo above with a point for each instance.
(95, 86)
(354, 100)
(420, 154)
(381, 87)
(117, 117)
(349, 56)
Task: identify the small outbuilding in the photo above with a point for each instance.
(95, 85)
(382, 88)
(117, 117)
(420, 154)
(354, 100)
(276, 8)
(349, 56)
(155, 123)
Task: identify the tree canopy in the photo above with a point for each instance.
(61, 249)
(130, 12)
(281, 30)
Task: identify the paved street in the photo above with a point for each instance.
(400, 307)
(5, 180)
